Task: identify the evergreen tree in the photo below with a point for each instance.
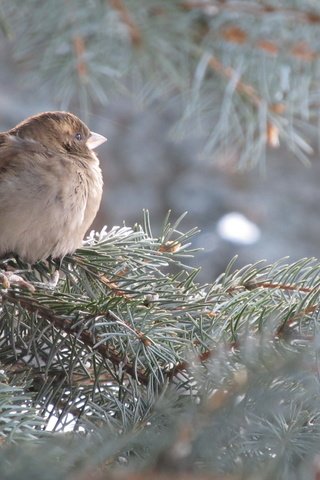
(126, 366)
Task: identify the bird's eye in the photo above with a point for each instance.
(78, 136)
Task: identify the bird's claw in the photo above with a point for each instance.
(10, 278)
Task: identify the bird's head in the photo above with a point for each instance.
(59, 132)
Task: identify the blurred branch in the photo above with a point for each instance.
(264, 92)
(79, 49)
(127, 18)
(245, 7)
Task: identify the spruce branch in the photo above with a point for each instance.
(154, 351)
(18, 417)
(127, 18)
(243, 80)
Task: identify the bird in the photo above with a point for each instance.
(50, 186)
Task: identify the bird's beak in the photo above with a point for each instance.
(95, 140)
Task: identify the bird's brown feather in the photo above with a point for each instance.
(50, 187)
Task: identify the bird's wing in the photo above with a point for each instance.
(26, 169)
(14, 142)
(16, 152)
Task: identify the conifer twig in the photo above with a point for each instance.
(79, 49)
(127, 19)
(67, 325)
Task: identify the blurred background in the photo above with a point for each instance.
(209, 107)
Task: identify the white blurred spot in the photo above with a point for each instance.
(235, 227)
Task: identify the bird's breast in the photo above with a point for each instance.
(82, 198)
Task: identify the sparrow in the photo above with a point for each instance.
(50, 186)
